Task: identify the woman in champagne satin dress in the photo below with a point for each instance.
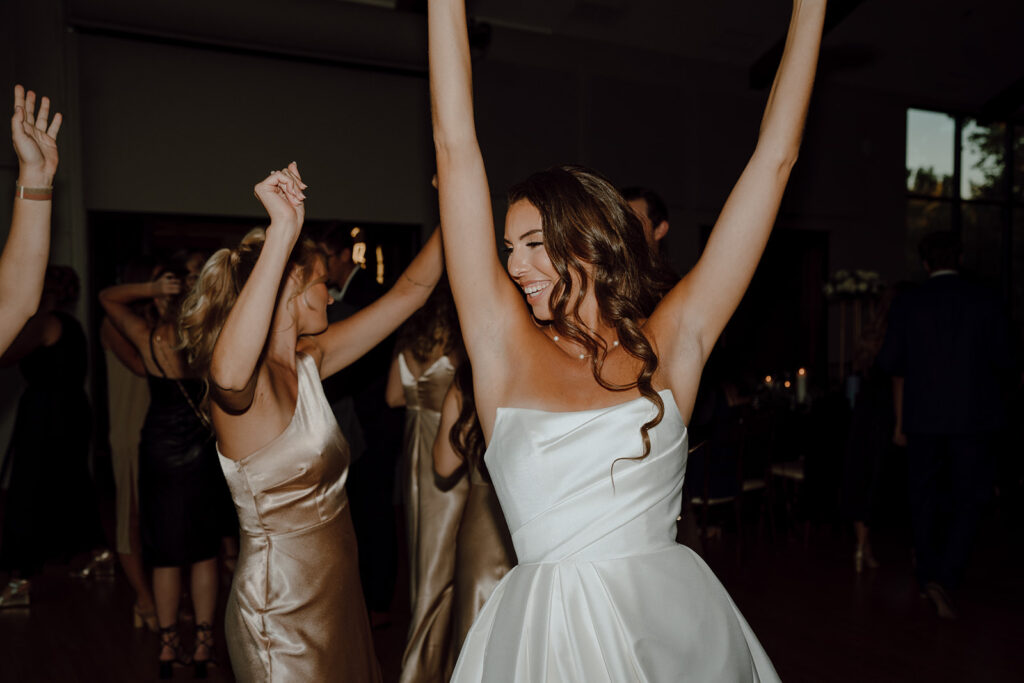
(421, 372)
(256, 326)
(483, 546)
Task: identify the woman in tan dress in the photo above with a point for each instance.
(427, 348)
(128, 402)
(483, 546)
(256, 326)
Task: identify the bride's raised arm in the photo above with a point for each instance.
(698, 308)
(486, 299)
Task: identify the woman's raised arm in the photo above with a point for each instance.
(116, 299)
(236, 355)
(346, 341)
(23, 261)
(484, 296)
(122, 348)
(698, 308)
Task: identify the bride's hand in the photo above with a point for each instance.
(281, 194)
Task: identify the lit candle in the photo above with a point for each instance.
(801, 385)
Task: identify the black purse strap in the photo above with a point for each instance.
(181, 387)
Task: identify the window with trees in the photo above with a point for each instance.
(967, 176)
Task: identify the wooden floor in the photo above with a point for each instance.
(817, 619)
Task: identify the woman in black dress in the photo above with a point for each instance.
(181, 487)
(51, 510)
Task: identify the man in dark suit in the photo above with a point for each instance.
(948, 348)
(357, 396)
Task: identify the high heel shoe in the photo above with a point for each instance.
(15, 594)
(204, 638)
(169, 638)
(101, 565)
(140, 618)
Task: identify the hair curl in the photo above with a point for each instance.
(466, 436)
(592, 234)
(206, 308)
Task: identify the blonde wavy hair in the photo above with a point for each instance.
(206, 308)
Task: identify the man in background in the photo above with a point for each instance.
(373, 430)
(948, 349)
(651, 210)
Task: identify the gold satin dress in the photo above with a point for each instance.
(432, 519)
(483, 554)
(296, 610)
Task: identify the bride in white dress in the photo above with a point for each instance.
(584, 393)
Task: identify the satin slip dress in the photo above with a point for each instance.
(296, 609)
(483, 553)
(432, 521)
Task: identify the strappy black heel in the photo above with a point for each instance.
(169, 638)
(204, 638)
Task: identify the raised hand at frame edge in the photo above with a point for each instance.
(281, 194)
(35, 138)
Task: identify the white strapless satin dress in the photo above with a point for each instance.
(602, 591)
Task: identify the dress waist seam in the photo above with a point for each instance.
(295, 532)
(583, 559)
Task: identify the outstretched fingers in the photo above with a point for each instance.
(18, 121)
(55, 125)
(30, 108)
(19, 98)
(43, 115)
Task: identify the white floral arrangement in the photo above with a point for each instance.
(853, 284)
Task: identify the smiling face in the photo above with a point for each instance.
(528, 263)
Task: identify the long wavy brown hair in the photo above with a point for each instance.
(590, 232)
(206, 308)
(466, 436)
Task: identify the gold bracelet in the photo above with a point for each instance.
(39, 194)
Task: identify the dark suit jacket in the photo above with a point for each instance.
(949, 340)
